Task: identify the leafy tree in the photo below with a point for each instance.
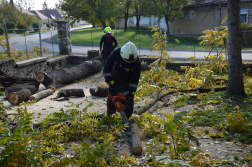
(235, 75)
(126, 13)
(169, 9)
(11, 14)
(26, 4)
(139, 9)
(93, 11)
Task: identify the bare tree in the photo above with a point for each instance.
(235, 74)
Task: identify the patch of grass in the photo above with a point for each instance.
(143, 39)
(219, 116)
(206, 131)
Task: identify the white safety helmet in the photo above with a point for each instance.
(129, 52)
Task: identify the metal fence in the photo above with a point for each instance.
(25, 43)
(29, 41)
(188, 45)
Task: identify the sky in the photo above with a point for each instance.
(38, 4)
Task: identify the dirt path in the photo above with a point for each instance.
(219, 150)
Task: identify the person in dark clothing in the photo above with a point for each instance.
(122, 72)
(108, 39)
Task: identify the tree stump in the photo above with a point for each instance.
(42, 94)
(99, 91)
(92, 53)
(135, 138)
(19, 97)
(71, 92)
(18, 87)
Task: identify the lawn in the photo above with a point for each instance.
(92, 36)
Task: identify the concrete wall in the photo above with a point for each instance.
(29, 68)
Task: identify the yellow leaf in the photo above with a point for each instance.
(207, 153)
(192, 58)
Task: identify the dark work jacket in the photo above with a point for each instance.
(108, 45)
(125, 75)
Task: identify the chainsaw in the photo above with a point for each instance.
(120, 102)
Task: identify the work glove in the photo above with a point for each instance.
(130, 97)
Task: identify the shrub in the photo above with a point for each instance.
(11, 25)
(21, 29)
(35, 26)
(245, 25)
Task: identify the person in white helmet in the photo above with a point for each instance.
(122, 72)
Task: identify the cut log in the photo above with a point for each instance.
(63, 76)
(42, 94)
(19, 97)
(71, 92)
(8, 81)
(92, 53)
(18, 87)
(135, 139)
(99, 91)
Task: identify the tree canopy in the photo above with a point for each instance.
(99, 12)
(11, 14)
(169, 9)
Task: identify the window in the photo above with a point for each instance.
(244, 15)
(192, 14)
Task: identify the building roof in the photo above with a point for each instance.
(52, 13)
(23, 10)
(40, 15)
(208, 2)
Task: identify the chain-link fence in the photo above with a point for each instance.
(188, 46)
(24, 43)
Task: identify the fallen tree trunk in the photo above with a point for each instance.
(42, 94)
(99, 91)
(135, 138)
(18, 87)
(63, 76)
(19, 97)
(8, 81)
(71, 92)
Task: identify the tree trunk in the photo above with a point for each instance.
(63, 76)
(167, 25)
(19, 97)
(93, 53)
(137, 22)
(126, 15)
(71, 92)
(235, 76)
(18, 87)
(99, 91)
(42, 94)
(103, 24)
(135, 138)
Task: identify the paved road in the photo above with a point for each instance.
(25, 42)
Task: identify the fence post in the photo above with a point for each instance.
(7, 39)
(26, 47)
(92, 39)
(139, 41)
(40, 41)
(52, 44)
